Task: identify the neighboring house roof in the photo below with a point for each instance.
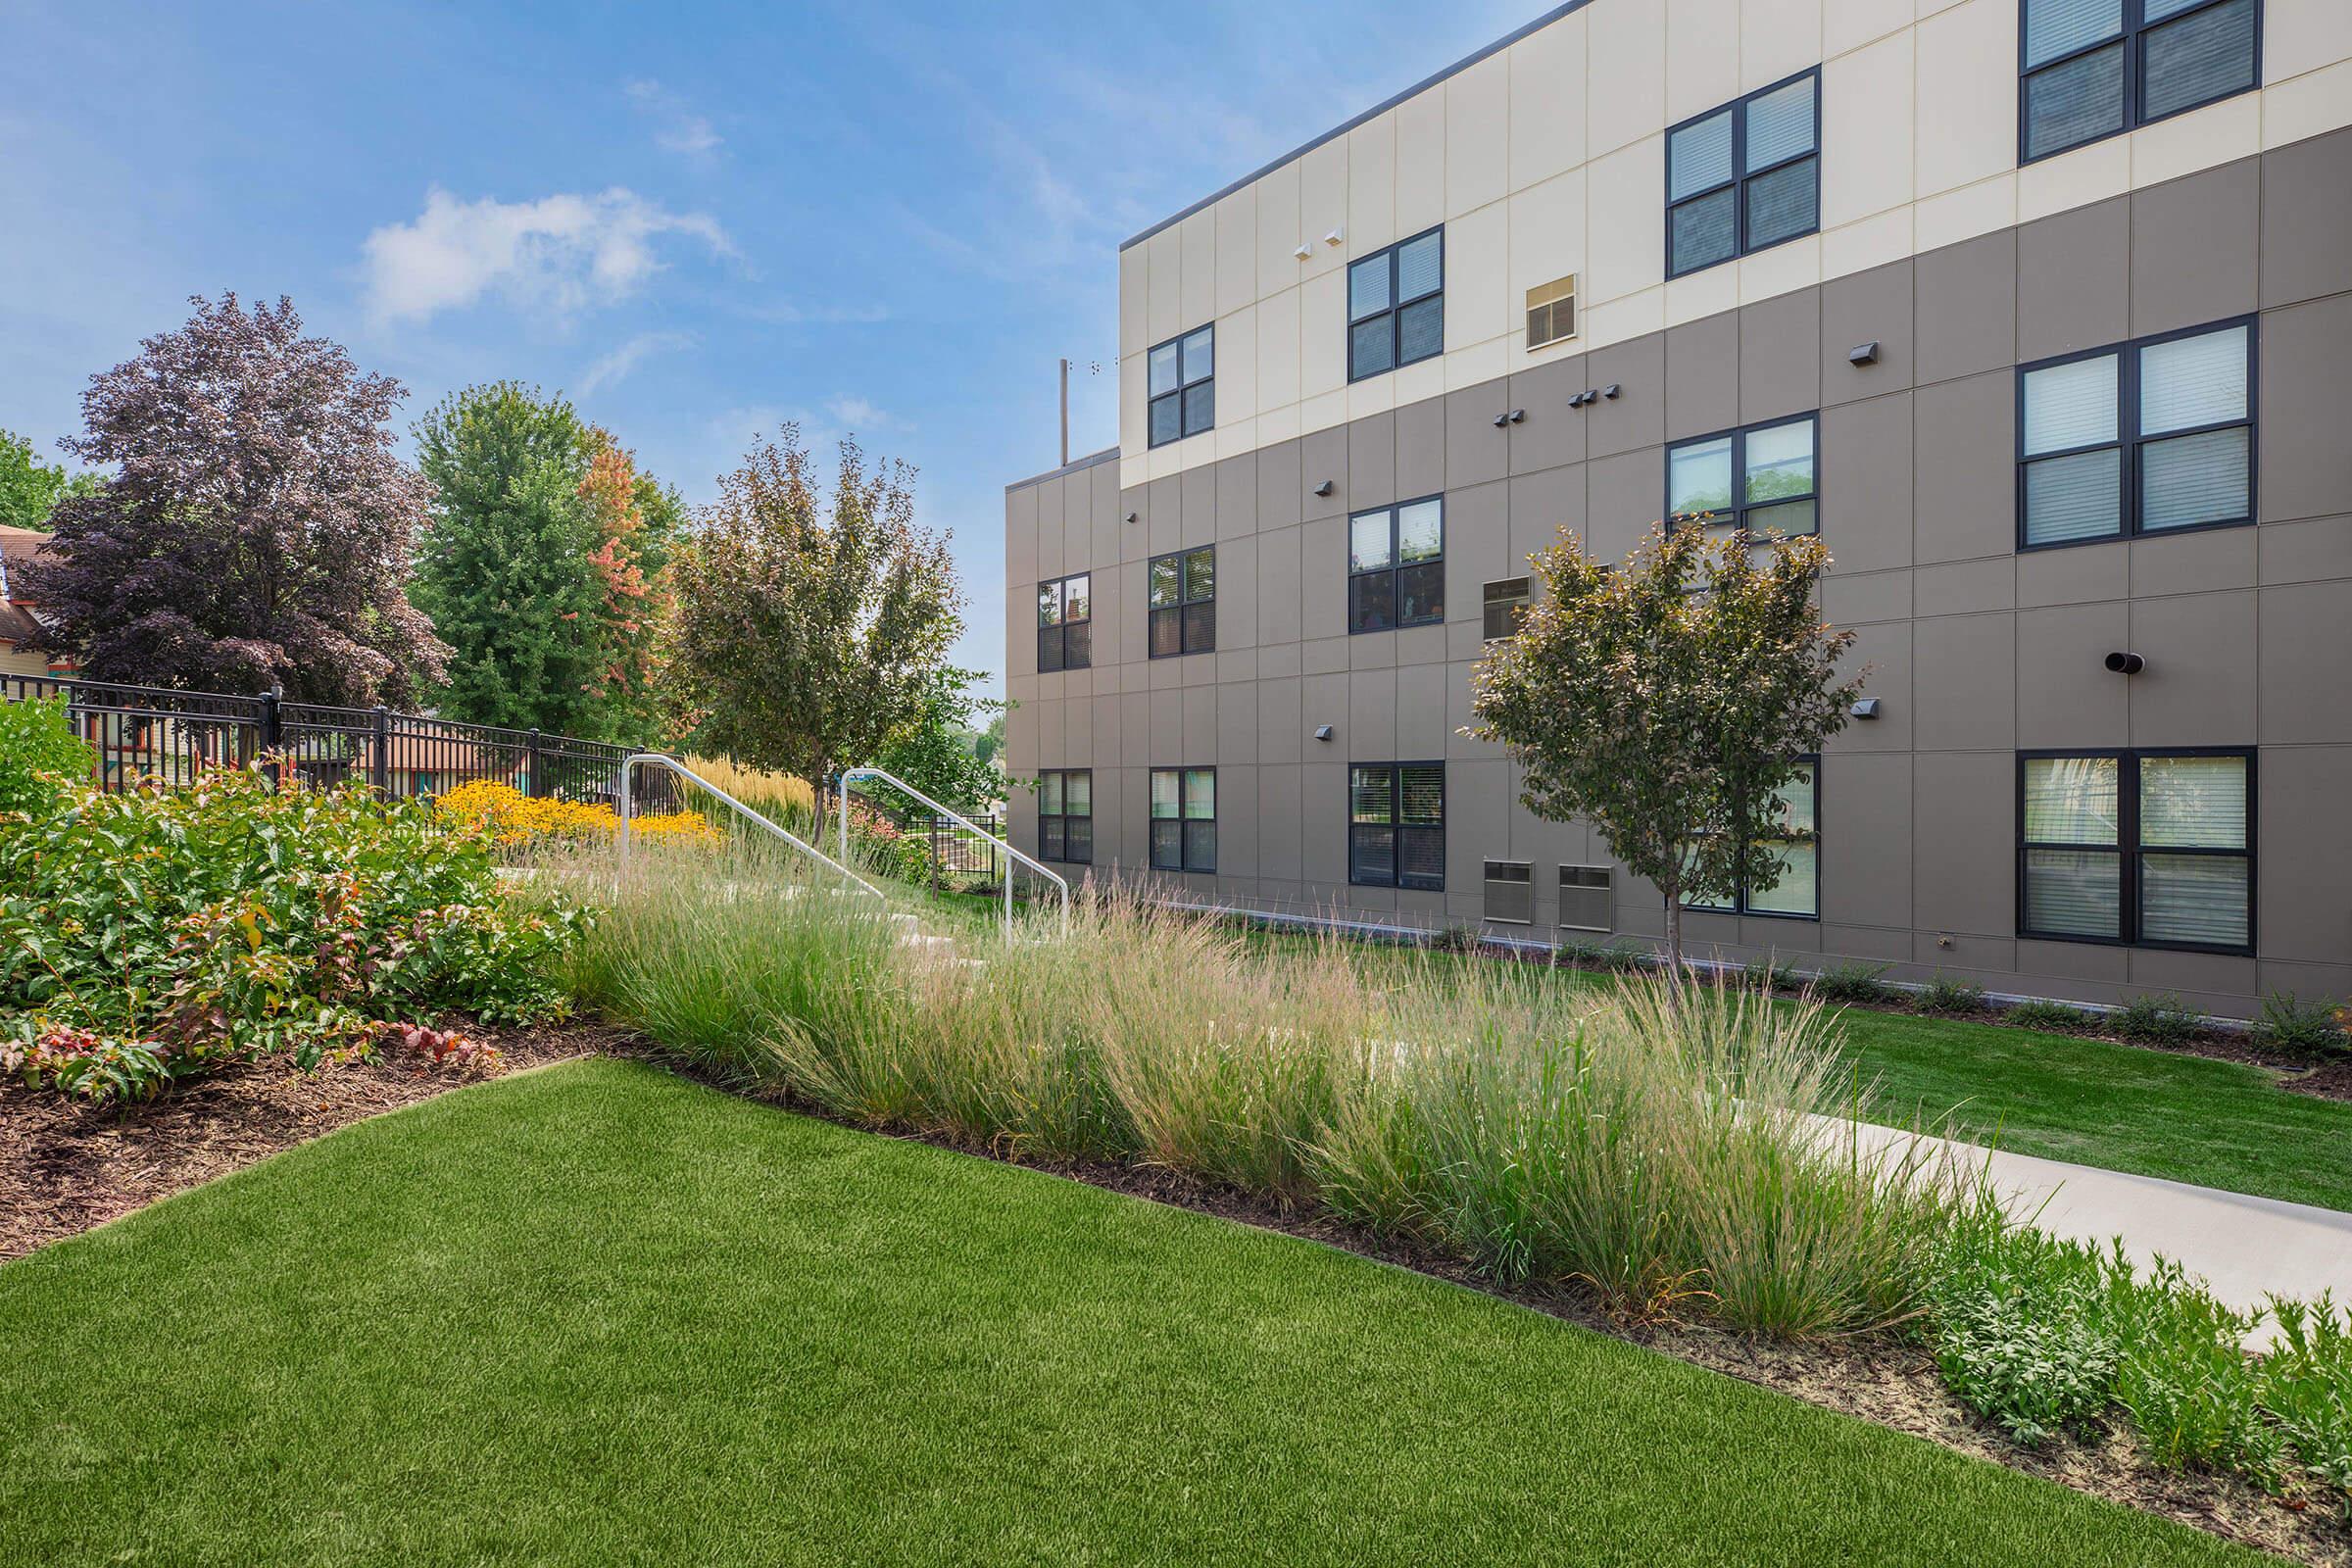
(17, 547)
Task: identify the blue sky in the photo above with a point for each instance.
(697, 219)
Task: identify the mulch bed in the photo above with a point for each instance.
(65, 1168)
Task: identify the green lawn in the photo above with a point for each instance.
(2090, 1102)
(598, 1314)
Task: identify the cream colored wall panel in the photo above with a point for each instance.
(1277, 337)
(1631, 315)
(2316, 102)
(1850, 24)
(1702, 48)
(1322, 334)
(1375, 396)
(1278, 230)
(1235, 439)
(1135, 298)
(1372, 185)
(1421, 161)
(1929, 8)
(1967, 94)
(1419, 381)
(1235, 218)
(1701, 294)
(1777, 38)
(1625, 72)
(1478, 250)
(2074, 179)
(1966, 213)
(1478, 125)
(1277, 426)
(1165, 318)
(1193, 452)
(2300, 36)
(1625, 221)
(1547, 101)
(2217, 133)
(1867, 110)
(1548, 238)
(1323, 413)
(1237, 365)
(1165, 461)
(1872, 242)
(1197, 274)
(1478, 362)
(1132, 403)
(1323, 206)
(1135, 469)
(1780, 269)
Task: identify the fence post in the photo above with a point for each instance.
(531, 781)
(269, 736)
(379, 771)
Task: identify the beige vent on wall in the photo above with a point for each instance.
(1551, 312)
(1511, 892)
(1505, 602)
(1587, 898)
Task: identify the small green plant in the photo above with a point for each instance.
(2300, 1028)
(1455, 936)
(39, 754)
(1943, 993)
(2053, 1017)
(1769, 975)
(1853, 982)
(2156, 1018)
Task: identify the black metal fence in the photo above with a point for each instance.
(172, 737)
(954, 850)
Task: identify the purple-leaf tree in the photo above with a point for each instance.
(257, 528)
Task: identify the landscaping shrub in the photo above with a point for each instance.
(513, 820)
(2156, 1018)
(148, 935)
(1853, 982)
(1770, 975)
(2301, 1028)
(39, 756)
(1947, 995)
(2055, 1017)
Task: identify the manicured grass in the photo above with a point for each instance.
(598, 1314)
(2090, 1102)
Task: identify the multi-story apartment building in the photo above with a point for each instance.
(2039, 312)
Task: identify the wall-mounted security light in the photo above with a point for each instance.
(1863, 354)
(1304, 252)
(1131, 517)
(1515, 417)
(1323, 732)
(1588, 395)
(1610, 391)
(2124, 664)
(1324, 489)
(1332, 238)
(1865, 707)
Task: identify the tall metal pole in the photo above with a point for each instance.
(1065, 413)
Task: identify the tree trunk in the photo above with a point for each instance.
(818, 789)
(1674, 940)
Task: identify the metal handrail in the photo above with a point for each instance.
(851, 776)
(628, 775)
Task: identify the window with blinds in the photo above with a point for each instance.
(1065, 612)
(1065, 815)
(2152, 849)
(1397, 566)
(1551, 312)
(1745, 178)
(1181, 386)
(1790, 826)
(1396, 826)
(1761, 478)
(1181, 613)
(1396, 306)
(2148, 437)
(1183, 819)
(2096, 67)
(1505, 603)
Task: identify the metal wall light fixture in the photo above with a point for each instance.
(1865, 707)
(1515, 417)
(2126, 663)
(1323, 732)
(1863, 353)
(1324, 489)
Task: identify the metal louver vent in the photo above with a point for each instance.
(1505, 602)
(1511, 892)
(1587, 898)
(1551, 312)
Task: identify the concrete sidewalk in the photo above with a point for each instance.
(2243, 1247)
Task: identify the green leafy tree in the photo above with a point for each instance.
(812, 624)
(30, 488)
(942, 755)
(1668, 699)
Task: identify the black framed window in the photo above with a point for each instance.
(1183, 819)
(1183, 389)
(2147, 849)
(1505, 603)
(1745, 178)
(1792, 826)
(1396, 826)
(1763, 476)
(2155, 436)
(1183, 613)
(1065, 815)
(2091, 69)
(1396, 306)
(1066, 632)
(1397, 566)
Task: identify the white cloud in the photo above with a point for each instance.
(856, 413)
(615, 367)
(561, 253)
(682, 130)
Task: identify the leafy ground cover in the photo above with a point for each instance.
(596, 1313)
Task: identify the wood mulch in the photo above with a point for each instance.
(65, 1168)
